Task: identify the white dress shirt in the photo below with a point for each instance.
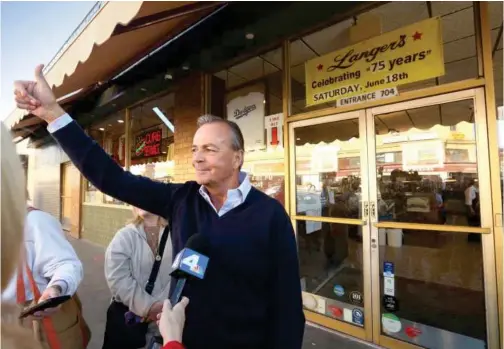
(49, 255)
(235, 197)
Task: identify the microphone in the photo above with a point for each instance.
(190, 264)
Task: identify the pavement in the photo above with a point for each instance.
(95, 297)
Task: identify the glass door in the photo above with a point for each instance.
(430, 221)
(329, 186)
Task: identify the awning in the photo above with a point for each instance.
(121, 32)
(113, 36)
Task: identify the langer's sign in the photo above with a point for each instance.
(406, 55)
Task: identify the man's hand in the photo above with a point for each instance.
(50, 292)
(155, 310)
(171, 321)
(37, 97)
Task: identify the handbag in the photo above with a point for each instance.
(119, 334)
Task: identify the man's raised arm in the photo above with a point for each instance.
(91, 160)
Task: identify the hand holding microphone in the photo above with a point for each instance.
(171, 321)
(189, 265)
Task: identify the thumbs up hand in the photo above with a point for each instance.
(37, 97)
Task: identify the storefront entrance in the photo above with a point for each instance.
(392, 211)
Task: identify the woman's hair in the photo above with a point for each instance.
(137, 219)
(13, 193)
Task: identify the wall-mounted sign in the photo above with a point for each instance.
(356, 298)
(402, 56)
(358, 317)
(390, 303)
(388, 269)
(389, 286)
(148, 144)
(274, 130)
(248, 113)
(391, 323)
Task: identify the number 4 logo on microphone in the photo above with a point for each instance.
(192, 263)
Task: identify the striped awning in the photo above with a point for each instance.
(112, 37)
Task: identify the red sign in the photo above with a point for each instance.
(148, 144)
(335, 311)
(412, 332)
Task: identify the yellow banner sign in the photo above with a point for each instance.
(405, 55)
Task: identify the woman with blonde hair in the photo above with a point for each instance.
(13, 198)
(132, 261)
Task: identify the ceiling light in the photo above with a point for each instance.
(298, 139)
(110, 125)
(120, 121)
(168, 77)
(164, 119)
(249, 36)
(143, 89)
(102, 129)
(185, 67)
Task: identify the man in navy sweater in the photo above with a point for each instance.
(251, 295)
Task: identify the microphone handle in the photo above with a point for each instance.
(177, 292)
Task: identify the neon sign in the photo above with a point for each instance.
(148, 144)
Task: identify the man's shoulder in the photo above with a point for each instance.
(188, 187)
(266, 202)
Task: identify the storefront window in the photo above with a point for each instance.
(253, 100)
(152, 149)
(110, 135)
(458, 49)
(152, 130)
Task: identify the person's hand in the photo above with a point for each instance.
(171, 321)
(50, 292)
(37, 97)
(155, 310)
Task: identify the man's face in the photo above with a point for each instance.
(214, 159)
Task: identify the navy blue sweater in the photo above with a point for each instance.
(251, 295)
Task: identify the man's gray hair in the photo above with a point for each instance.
(237, 142)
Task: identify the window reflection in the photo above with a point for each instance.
(331, 269)
(435, 180)
(252, 97)
(328, 165)
(437, 286)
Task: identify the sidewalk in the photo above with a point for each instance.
(95, 297)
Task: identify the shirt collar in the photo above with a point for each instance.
(243, 188)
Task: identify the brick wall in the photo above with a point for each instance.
(100, 223)
(188, 107)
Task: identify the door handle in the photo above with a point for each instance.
(373, 209)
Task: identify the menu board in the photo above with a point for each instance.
(148, 144)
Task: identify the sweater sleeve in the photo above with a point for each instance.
(287, 317)
(55, 258)
(106, 175)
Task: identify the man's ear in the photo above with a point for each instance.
(238, 159)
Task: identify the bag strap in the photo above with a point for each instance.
(157, 261)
